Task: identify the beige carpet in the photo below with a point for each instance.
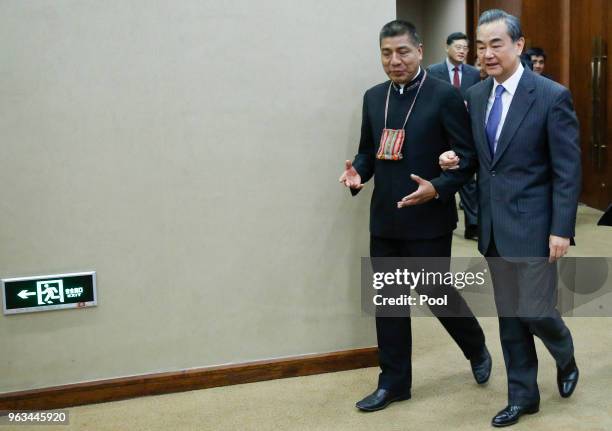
(445, 396)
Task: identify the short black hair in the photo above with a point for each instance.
(456, 36)
(513, 24)
(538, 52)
(526, 60)
(400, 27)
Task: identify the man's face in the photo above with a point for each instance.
(457, 51)
(538, 63)
(501, 55)
(400, 58)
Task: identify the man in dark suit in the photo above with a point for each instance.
(526, 135)
(453, 69)
(407, 121)
(462, 76)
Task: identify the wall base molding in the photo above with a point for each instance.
(187, 380)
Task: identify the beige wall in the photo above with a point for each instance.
(188, 152)
(435, 20)
(412, 11)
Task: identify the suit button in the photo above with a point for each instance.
(492, 173)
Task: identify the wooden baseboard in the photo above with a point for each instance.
(188, 380)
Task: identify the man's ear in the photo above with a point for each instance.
(520, 44)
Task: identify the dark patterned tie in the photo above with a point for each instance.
(456, 82)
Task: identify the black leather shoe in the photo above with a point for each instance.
(471, 232)
(379, 399)
(511, 414)
(567, 379)
(481, 366)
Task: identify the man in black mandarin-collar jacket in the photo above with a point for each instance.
(439, 122)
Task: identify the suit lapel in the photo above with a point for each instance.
(465, 79)
(444, 71)
(479, 106)
(520, 105)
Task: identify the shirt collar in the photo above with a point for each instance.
(451, 66)
(511, 83)
(416, 77)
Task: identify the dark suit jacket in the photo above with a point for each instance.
(530, 189)
(470, 75)
(439, 122)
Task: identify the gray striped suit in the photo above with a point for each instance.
(528, 191)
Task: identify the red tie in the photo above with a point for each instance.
(456, 82)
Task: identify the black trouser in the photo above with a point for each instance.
(394, 334)
(469, 202)
(526, 298)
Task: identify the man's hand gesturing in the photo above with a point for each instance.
(424, 193)
(350, 177)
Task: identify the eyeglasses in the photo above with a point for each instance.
(461, 47)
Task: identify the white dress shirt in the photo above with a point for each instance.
(451, 72)
(510, 85)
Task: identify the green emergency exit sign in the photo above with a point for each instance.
(49, 292)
